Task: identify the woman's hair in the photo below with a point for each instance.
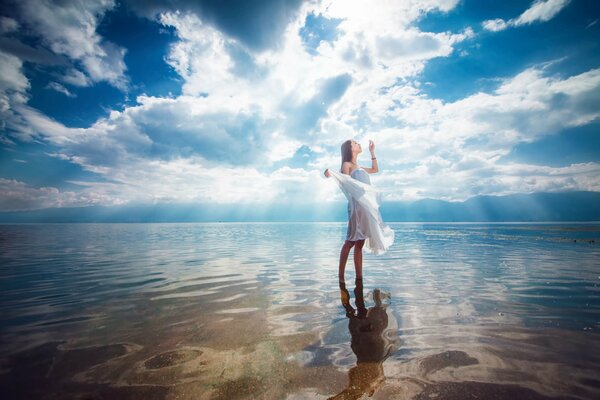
(346, 152)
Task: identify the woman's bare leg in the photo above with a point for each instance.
(358, 258)
(343, 258)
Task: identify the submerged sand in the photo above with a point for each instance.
(256, 312)
(213, 354)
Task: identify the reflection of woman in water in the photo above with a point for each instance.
(374, 338)
(365, 226)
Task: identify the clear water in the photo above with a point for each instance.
(254, 310)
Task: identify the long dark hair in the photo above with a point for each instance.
(346, 152)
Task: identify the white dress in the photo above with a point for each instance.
(364, 218)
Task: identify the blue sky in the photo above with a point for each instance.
(121, 102)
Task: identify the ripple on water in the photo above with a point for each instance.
(466, 303)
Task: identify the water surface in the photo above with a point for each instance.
(255, 310)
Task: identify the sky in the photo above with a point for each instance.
(235, 102)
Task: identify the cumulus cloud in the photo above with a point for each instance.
(539, 11)
(434, 179)
(12, 78)
(495, 25)
(239, 120)
(69, 28)
(75, 77)
(207, 58)
(200, 56)
(234, 137)
(257, 25)
(454, 150)
(13, 94)
(176, 181)
(18, 196)
(449, 151)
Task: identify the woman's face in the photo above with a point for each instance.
(356, 147)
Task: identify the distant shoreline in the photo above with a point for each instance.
(312, 222)
(569, 207)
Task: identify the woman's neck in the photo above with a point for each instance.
(354, 157)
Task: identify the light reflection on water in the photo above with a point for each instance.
(210, 310)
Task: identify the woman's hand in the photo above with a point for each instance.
(327, 174)
(372, 148)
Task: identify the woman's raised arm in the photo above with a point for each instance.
(374, 167)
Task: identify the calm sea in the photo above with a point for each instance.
(255, 310)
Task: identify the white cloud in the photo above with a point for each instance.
(12, 78)
(76, 78)
(183, 180)
(13, 93)
(448, 151)
(69, 28)
(200, 56)
(454, 150)
(179, 180)
(205, 58)
(539, 11)
(435, 178)
(8, 25)
(18, 196)
(495, 25)
(281, 147)
(384, 16)
(219, 140)
(376, 52)
(60, 88)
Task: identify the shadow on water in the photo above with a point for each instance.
(374, 336)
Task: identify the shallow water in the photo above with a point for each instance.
(255, 310)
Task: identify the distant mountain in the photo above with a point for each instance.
(568, 206)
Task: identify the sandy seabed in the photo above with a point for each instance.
(142, 312)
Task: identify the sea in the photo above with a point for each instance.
(256, 311)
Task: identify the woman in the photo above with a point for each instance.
(365, 226)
